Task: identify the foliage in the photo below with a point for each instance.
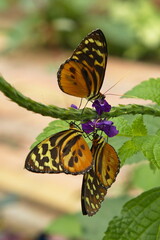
(148, 90)
(136, 133)
(139, 219)
(138, 139)
(53, 127)
(132, 27)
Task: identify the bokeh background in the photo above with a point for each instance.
(36, 36)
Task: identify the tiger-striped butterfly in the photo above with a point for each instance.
(83, 73)
(96, 182)
(65, 151)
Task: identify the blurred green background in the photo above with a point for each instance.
(132, 28)
(48, 31)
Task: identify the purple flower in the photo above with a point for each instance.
(74, 106)
(107, 127)
(101, 105)
(88, 127)
(104, 125)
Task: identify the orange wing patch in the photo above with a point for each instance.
(107, 164)
(72, 79)
(76, 155)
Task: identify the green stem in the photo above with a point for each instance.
(69, 114)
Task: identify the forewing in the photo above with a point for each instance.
(92, 52)
(91, 57)
(76, 155)
(92, 193)
(75, 79)
(107, 163)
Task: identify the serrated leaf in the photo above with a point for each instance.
(52, 128)
(122, 125)
(138, 127)
(152, 124)
(151, 149)
(156, 152)
(148, 90)
(128, 149)
(139, 220)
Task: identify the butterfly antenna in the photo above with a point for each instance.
(121, 79)
(112, 86)
(84, 107)
(115, 94)
(80, 103)
(123, 95)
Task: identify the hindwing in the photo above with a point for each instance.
(107, 163)
(92, 193)
(100, 177)
(66, 151)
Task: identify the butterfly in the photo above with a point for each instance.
(99, 178)
(83, 73)
(65, 151)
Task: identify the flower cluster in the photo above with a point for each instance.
(104, 125)
(100, 105)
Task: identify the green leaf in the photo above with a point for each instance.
(139, 219)
(148, 90)
(122, 125)
(52, 128)
(138, 127)
(130, 148)
(156, 152)
(151, 149)
(127, 150)
(152, 124)
(148, 145)
(117, 141)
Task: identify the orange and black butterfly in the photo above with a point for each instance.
(99, 178)
(65, 151)
(83, 73)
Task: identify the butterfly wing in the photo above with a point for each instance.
(100, 177)
(56, 153)
(75, 79)
(82, 75)
(107, 163)
(45, 157)
(92, 193)
(75, 154)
